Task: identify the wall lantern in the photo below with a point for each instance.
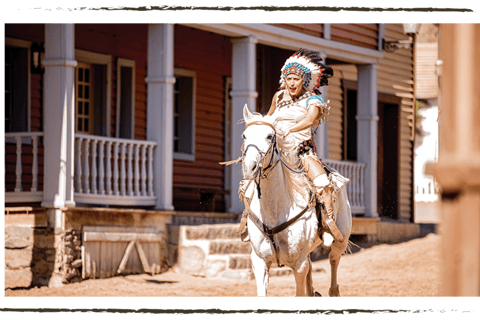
(38, 52)
(410, 29)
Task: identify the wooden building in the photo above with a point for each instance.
(105, 117)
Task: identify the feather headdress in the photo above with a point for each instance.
(308, 66)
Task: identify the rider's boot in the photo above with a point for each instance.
(325, 195)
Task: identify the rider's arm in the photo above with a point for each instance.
(306, 122)
(274, 104)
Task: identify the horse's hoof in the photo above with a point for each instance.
(317, 294)
(334, 291)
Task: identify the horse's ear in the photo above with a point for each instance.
(246, 113)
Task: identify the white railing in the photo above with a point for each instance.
(426, 190)
(355, 188)
(19, 195)
(113, 171)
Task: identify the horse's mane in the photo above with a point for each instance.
(298, 185)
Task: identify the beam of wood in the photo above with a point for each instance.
(125, 257)
(122, 236)
(143, 257)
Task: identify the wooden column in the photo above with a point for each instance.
(59, 114)
(367, 127)
(160, 107)
(243, 92)
(458, 168)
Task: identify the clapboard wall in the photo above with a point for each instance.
(395, 78)
(210, 57)
(128, 41)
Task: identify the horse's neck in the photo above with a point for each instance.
(275, 203)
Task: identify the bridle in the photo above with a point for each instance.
(272, 146)
(260, 172)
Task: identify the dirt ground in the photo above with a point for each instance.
(408, 269)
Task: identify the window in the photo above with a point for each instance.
(125, 98)
(16, 89)
(92, 93)
(84, 104)
(349, 121)
(184, 115)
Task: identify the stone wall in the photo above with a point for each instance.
(33, 252)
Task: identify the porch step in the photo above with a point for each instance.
(213, 251)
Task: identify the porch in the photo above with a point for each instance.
(118, 172)
(107, 171)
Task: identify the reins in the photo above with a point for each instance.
(267, 231)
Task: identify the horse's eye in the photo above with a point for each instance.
(243, 136)
(269, 137)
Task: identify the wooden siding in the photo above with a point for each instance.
(209, 56)
(395, 77)
(364, 35)
(310, 29)
(426, 84)
(127, 41)
(33, 33)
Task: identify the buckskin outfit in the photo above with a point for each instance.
(291, 113)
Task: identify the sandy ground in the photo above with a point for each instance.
(408, 269)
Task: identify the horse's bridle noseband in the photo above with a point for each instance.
(271, 147)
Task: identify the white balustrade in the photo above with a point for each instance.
(355, 188)
(20, 140)
(426, 190)
(114, 171)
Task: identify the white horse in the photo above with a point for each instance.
(285, 197)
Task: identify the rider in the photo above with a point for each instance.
(298, 108)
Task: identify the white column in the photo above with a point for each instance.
(243, 91)
(160, 107)
(59, 117)
(367, 135)
(321, 138)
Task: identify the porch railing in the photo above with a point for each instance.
(113, 171)
(355, 188)
(21, 139)
(426, 190)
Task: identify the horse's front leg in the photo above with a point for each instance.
(260, 270)
(301, 271)
(334, 256)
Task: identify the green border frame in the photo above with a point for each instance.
(243, 12)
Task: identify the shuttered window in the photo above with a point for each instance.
(184, 115)
(125, 98)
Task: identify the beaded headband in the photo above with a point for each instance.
(308, 66)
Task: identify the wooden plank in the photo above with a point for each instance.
(126, 255)
(143, 257)
(122, 236)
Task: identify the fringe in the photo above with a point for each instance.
(227, 163)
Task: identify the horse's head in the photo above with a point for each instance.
(258, 142)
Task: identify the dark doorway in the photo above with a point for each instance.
(270, 61)
(388, 158)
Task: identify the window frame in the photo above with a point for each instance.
(105, 60)
(179, 72)
(23, 44)
(122, 62)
